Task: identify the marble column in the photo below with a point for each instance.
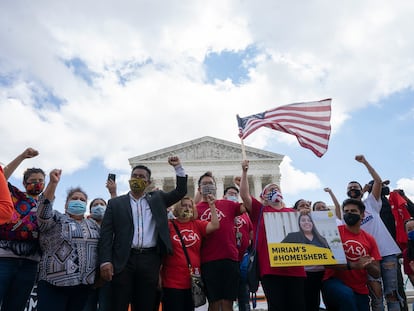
(220, 186)
(159, 183)
(195, 183)
(276, 180)
(257, 182)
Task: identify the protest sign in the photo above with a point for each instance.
(303, 240)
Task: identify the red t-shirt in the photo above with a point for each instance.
(262, 249)
(175, 272)
(406, 263)
(6, 204)
(355, 247)
(244, 225)
(220, 244)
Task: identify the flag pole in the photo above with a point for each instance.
(243, 148)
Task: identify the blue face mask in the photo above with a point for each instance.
(76, 207)
(98, 211)
(232, 198)
(411, 235)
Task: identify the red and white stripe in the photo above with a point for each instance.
(310, 122)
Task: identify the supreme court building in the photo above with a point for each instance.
(221, 157)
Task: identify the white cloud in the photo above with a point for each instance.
(355, 52)
(407, 185)
(294, 181)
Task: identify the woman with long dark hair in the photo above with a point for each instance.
(307, 234)
(283, 286)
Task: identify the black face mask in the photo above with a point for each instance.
(354, 193)
(385, 191)
(351, 219)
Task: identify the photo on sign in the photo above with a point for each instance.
(296, 239)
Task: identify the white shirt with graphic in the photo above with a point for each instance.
(373, 224)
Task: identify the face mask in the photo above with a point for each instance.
(411, 235)
(35, 188)
(351, 219)
(232, 198)
(354, 193)
(208, 189)
(76, 207)
(137, 185)
(98, 211)
(185, 214)
(385, 191)
(274, 196)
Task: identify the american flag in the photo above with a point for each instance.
(310, 122)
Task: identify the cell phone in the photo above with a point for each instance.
(111, 176)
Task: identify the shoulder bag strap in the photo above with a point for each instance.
(258, 227)
(183, 246)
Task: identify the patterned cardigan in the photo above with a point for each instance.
(69, 247)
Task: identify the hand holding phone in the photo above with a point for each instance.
(111, 177)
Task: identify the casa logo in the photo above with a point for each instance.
(189, 237)
(367, 219)
(354, 250)
(207, 215)
(239, 222)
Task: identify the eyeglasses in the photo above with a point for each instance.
(232, 193)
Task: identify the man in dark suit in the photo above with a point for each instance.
(135, 236)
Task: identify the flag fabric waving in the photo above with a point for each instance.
(310, 122)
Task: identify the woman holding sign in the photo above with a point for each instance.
(308, 234)
(283, 286)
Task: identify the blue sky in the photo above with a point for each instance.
(91, 85)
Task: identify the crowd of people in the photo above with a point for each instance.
(140, 249)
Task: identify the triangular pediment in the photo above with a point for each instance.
(204, 149)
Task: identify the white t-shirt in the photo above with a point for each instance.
(373, 224)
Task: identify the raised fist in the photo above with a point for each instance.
(174, 160)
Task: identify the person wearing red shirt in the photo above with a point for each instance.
(283, 286)
(408, 253)
(19, 237)
(244, 235)
(387, 284)
(175, 273)
(6, 203)
(219, 253)
(345, 286)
